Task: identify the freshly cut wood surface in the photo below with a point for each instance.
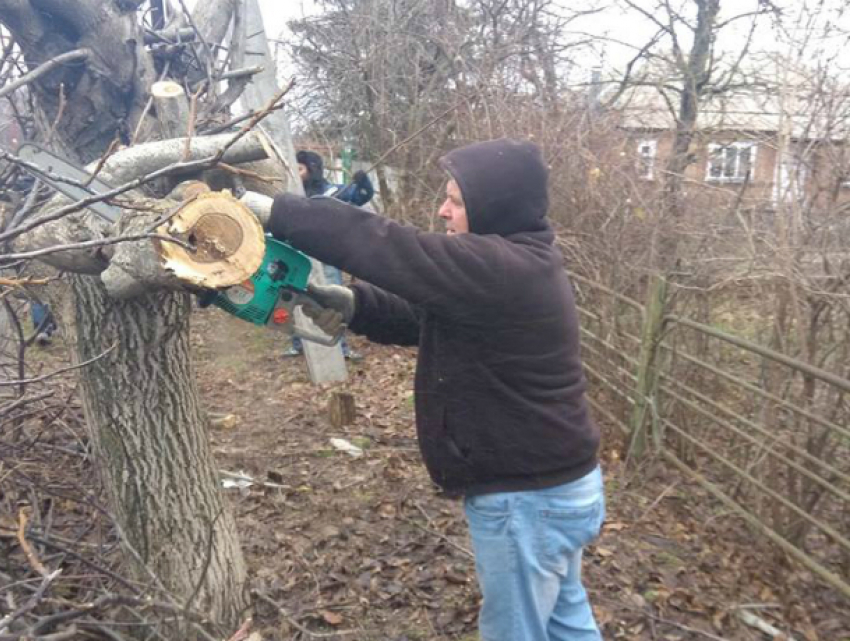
(228, 240)
(222, 244)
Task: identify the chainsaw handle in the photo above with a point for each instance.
(304, 299)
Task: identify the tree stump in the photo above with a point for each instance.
(341, 409)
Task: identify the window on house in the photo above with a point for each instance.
(732, 162)
(646, 159)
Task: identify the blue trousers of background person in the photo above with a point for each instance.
(42, 319)
(332, 277)
(528, 548)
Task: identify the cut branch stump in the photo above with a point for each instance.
(341, 409)
(172, 108)
(221, 244)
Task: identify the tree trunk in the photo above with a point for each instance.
(150, 442)
(696, 71)
(142, 406)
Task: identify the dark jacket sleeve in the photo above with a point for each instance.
(383, 317)
(453, 275)
(359, 192)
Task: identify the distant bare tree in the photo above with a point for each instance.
(684, 64)
(375, 72)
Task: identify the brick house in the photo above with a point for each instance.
(747, 144)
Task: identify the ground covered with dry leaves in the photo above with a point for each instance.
(363, 548)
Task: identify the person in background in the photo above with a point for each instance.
(42, 322)
(311, 169)
(502, 416)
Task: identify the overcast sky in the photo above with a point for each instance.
(632, 31)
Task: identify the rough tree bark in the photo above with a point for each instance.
(144, 414)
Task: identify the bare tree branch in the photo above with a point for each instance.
(71, 56)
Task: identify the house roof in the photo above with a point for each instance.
(806, 105)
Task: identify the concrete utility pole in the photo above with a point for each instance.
(325, 364)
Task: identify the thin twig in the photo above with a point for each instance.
(28, 206)
(235, 121)
(23, 282)
(91, 564)
(301, 628)
(113, 146)
(22, 343)
(10, 618)
(168, 216)
(32, 559)
(24, 400)
(91, 244)
(440, 536)
(102, 603)
(207, 562)
(247, 173)
(44, 377)
(193, 115)
(411, 137)
(60, 112)
(658, 500)
(415, 134)
(242, 633)
(70, 56)
(254, 121)
(12, 158)
(207, 49)
(684, 628)
(148, 106)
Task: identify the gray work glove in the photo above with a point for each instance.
(260, 205)
(337, 307)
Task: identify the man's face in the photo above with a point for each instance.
(453, 211)
(303, 172)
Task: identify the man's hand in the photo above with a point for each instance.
(260, 205)
(337, 310)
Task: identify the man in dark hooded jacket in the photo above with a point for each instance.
(501, 413)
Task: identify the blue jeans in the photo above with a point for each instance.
(332, 277)
(42, 318)
(528, 548)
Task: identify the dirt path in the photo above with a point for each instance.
(364, 549)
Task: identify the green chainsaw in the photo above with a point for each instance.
(268, 298)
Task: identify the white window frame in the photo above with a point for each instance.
(738, 176)
(646, 162)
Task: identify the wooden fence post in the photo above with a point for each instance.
(647, 374)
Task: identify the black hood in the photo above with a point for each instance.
(504, 185)
(315, 183)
